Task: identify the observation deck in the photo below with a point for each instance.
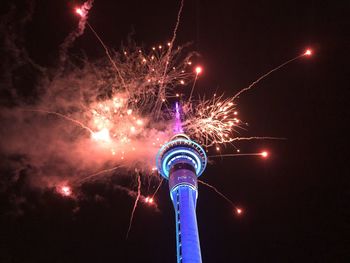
(180, 149)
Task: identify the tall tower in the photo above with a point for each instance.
(181, 161)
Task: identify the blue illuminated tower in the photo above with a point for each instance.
(181, 161)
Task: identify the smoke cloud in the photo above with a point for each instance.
(76, 121)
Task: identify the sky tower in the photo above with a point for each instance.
(181, 161)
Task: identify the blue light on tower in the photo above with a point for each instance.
(181, 161)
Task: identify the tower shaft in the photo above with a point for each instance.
(181, 161)
(183, 190)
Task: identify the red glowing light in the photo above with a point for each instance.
(264, 154)
(198, 70)
(239, 211)
(65, 190)
(149, 200)
(79, 11)
(308, 52)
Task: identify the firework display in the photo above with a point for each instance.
(111, 116)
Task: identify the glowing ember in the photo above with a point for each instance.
(149, 200)
(264, 154)
(83, 10)
(65, 190)
(198, 70)
(79, 11)
(308, 52)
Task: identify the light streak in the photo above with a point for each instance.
(217, 191)
(107, 53)
(79, 123)
(135, 204)
(156, 191)
(238, 210)
(161, 92)
(306, 53)
(198, 70)
(236, 155)
(82, 12)
(104, 171)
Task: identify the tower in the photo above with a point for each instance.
(181, 161)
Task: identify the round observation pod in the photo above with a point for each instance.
(181, 150)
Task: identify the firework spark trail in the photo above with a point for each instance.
(99, 173)
(83, 12)
(167, 60)
(176, 26)
(255, 138)
(212, 121)
(267, 74)
(193, 85)
(82, 125)
(133, 195)
(234, 155)
(135, 204)
(218, 192)
(155, 192)
(107, 53)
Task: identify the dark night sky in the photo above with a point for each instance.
(296, 202)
